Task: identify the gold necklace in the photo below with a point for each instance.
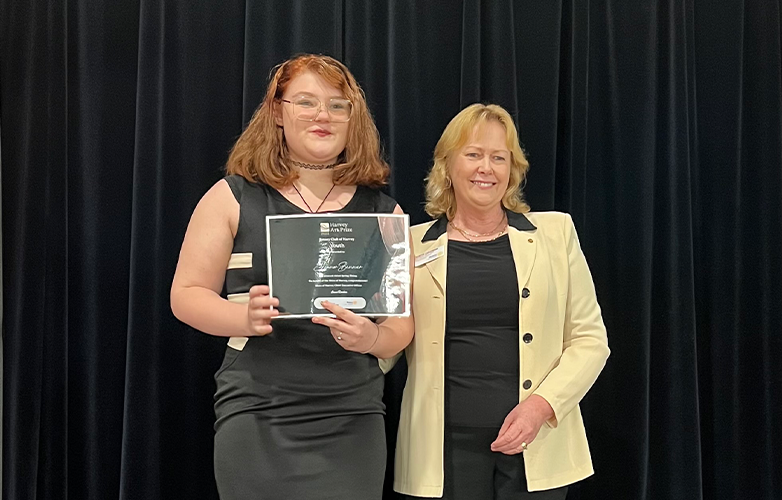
(478, 235)
(471, 237)
(479, 241)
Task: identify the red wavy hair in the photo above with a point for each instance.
(260, 153)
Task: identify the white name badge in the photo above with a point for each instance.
(429, 256)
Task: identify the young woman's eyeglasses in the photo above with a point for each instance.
(307, 108)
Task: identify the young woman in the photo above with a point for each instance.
(299, 402)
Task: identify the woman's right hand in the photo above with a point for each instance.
(260, 310)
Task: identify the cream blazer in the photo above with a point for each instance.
(568, 349)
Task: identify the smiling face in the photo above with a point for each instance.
(320, 141)
(480, 171)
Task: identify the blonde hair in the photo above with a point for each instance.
(440, 198)
(260, 153)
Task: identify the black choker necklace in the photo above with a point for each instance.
(310, 166)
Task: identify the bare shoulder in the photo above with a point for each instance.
(219, 204)
(219, 194)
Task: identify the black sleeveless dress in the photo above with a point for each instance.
(298, 417)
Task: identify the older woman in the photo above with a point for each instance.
(299, 403)
(508, 332)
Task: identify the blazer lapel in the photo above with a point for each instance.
(438, 267)
(524, 246)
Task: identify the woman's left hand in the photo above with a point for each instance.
(352, 332)
(522, 425)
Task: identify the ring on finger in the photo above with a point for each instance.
(339, 335)
(523, 446)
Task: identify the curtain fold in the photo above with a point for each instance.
(656, 124)
(738, 245)
(35, 266)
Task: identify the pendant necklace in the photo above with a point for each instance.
(317, 210)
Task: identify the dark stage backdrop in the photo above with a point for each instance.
(657, 124)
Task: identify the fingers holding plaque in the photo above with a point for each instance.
(356, 261)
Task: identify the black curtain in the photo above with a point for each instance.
(657, 124)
